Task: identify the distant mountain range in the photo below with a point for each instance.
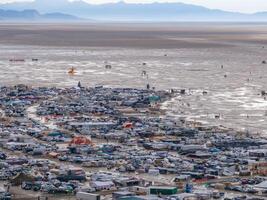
(123, 11)
(33, 15)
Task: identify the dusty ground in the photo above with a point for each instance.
(164, 35)
(176, 56)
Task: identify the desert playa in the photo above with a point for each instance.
(134, 35)
(226, 60)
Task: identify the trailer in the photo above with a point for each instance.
(87, 196)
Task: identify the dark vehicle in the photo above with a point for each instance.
(70, 177)
(49, 188)
(251, 190)
(65, 189)
(60, 190)
(37, 186)
(63, 158)
(77, 159)
(5, 196)
(2, 156)
(27, 185)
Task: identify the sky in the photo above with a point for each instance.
(245, 6)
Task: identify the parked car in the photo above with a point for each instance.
(2, 156)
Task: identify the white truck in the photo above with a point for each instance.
(87, 196)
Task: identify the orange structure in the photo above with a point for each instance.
(128, 125)
(53, 154)
(80, 140)
(259, 168)
(71, 71)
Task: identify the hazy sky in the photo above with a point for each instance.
(248, 6)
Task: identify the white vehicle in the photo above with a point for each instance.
(87, 196)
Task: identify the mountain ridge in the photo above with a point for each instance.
(33, 15)
(122, 11)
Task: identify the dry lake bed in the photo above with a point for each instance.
(225, 60)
